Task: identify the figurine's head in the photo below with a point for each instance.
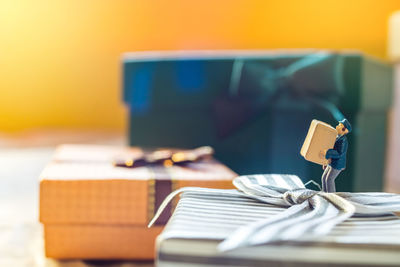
(344, 127)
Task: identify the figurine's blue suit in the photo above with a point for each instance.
(337, 155)
(338, 163)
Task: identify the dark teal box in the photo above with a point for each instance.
(175, 99)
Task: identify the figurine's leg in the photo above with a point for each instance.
(324, 177)
(330, 182)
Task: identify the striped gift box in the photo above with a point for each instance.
(269, 236)
(91, 209)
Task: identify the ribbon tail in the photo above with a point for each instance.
(311, 218)
(373, 203)
(243, 236)
(329, 107)
(165, 203)
(330, 210)
(199, 190)
(345, 210)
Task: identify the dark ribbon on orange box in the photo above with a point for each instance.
(159, 188)
(167, 158)
(158, 162)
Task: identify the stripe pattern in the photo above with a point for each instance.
(270, 208)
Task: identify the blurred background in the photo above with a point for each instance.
(62, 81)
(60, 60)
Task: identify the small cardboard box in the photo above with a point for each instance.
(320, 137)
(92, 209)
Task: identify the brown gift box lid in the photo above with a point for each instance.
(82, 186)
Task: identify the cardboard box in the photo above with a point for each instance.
(91, 209)
(320, 137)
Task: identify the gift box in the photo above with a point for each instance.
(255, 107)
(92, 209)
(274, 220)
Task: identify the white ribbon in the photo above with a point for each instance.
(311, 213)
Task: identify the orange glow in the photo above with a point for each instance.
(59, 60)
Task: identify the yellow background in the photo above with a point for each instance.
(59, 60)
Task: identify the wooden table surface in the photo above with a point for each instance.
(22, 158)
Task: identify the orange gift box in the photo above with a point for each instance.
(92, 209)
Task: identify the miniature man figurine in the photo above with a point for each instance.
(336, 156)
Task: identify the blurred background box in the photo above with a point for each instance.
(91, 209)
(393, 158)
(255, 107)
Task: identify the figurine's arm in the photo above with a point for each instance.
(336, 154)
(333, 154)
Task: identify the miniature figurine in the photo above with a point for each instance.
(336, 157)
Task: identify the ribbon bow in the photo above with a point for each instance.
(309, 212)
(166, 157)
(256, 85)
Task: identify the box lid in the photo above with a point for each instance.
(82, 186)
(176, 80)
